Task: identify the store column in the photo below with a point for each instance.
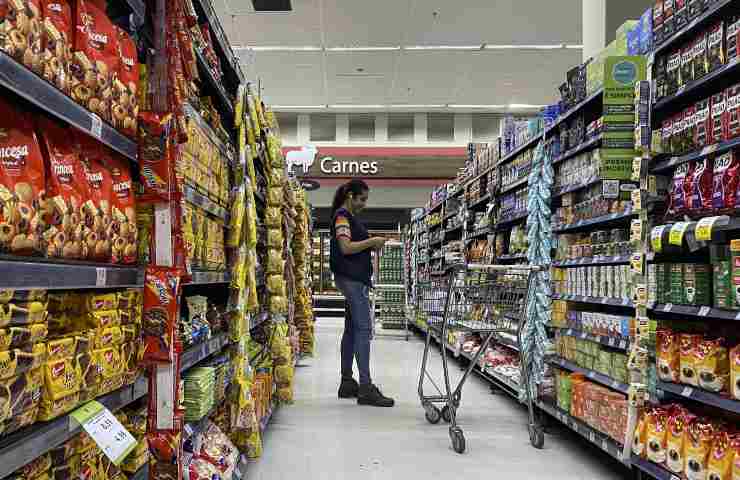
(594, 27)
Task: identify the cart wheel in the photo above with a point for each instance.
(536, 436)
(446, 416)
(458, 440)
(432, 414)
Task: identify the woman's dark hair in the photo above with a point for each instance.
(354, 186)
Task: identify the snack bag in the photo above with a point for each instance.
(698, 443)
(725, 181)
(687, 64)
(735, 372)
(125, 100)
(24, 207)
(678, 203)
(701, 186)
(638, 441)
(97, 209)
(721, 455)
(68, 192)
(95, 58)
(124, 234)
(677, 423)
(715, 46)
(688, 343)
(161, 312)
(61, 379)
(673, 72)
(702, 124)
(20, 31)
(156, 163)
(668, 353)
(732, 112)
(717, 119)
(701, 56)
(656, 422)
(56, 42)
(712, 362)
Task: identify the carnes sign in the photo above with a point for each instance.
(375, 162)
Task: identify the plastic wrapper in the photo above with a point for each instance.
(712, 364)
(276, 285)
(278, 304)
(273, 217)
(156, 162)
(275, 238)
(161, 312)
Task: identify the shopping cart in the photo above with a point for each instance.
(480, 299)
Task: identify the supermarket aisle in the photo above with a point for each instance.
(321, 437)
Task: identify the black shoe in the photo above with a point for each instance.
(370, 395)
(348, 388)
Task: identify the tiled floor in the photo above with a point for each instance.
(322, 437)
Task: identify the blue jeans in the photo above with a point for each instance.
(358, 328)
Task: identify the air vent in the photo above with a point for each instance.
(272, 6)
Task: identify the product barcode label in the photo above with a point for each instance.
(667, 307)
(615, 384)
(96, 126)
(604, 444)
(687, 391)
(612, 342)
(623, 344)
(592, 437)
(591, 374)
(704, 311)
(101, 275)
(598, 338)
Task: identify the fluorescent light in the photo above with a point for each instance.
(363, 49)
(277, 48)
(399, 105)
(298, 107)
(356, 106)
(523, 106)
(554, 46)
(574, 47)
(487, 107)
(443, 47)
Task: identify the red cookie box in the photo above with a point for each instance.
(717, 118)
(732, 112)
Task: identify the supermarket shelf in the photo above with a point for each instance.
(515, 185)
(560, 191)
(214, 83)
(205, 277)
(517, 217)
(390, 286)
(512, 258)
(591, 375)
(696, 155)
(30, 273)
(197, 353)
(507, 342)
(598, 221)
(617, 302)
(18, 449)
(655, 471)
(599, 260)
(220, 36)
(481, 201)
(701, 84)
(692, 26)
(436, 242)
(481, 232)
(695, 311)
(594, 436)
(196, 198)
(613, 342)
(45, 96)
(479, 175)
(141, 474)
(576, 108)
(458, 228)
(698, 395)
(212, 135)
(514, 153)
(583, 147)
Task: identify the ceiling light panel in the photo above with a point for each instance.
(442, 47)
(363, 49)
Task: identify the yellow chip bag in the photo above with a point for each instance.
(61, 378)
(61, 348)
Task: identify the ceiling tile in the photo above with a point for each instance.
(290, 78)
(362, 23)
(367, 87)
(300, 27)
(428, 77)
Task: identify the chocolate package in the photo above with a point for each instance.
(701, 186)
(725, 181)
(669, 18)
(712, 361)
(658, 35)
(125, 100)
(702, 123)
(681, 14)
(716, 46)
(673, 72)
(732, 112)
(678, 202)
(701, 56)
(717, 120)
(731, 39)
(687, 64)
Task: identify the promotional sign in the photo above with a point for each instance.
(105, 429)
(618, 144)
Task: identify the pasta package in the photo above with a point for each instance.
(161, 312)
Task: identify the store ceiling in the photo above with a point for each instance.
(319, 76)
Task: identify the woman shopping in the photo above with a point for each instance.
(352, 266)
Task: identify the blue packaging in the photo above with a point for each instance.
(633, 41)
(646, 32)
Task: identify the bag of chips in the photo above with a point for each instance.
(161, 312)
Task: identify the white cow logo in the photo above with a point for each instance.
(305, 157)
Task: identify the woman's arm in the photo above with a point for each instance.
(349, 247)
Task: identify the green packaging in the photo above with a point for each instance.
(735, 266)
(677, 295)
(722, 279)
(696, 282)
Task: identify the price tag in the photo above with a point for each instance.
(677, 232)
(604, 300)
(704, 228)
(623, 344)
(598, 338)
(687, 391)
(636, 263)
(101, 275)
(612, 342)
(673, 477)
(105, 429)
(614, 215)
(680, 90)
(667, 307)
(615, 384)
(96, 126)
(709, 149)
(636, 194)
(704, 311)
(656, 238)
(625, 301)
(604, 444)
(591, 375)
(583, 335)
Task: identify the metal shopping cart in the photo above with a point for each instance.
(480, 299)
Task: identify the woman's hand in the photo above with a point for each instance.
(378, 242)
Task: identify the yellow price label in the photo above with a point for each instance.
(636, 168)
(636, 231)
(656, 238)
(636, 200)
(637, 263)
(704, 228)
(677, 232)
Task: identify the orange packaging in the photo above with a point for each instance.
(669, 356)
(712, 361)
(67, 190)
(735, 445)
(735, 373)
(124, 239)
(20, 31)
(688, 343)
(56, 42)
(125, 101)
(677, 424)
(698, 443)
(95, 58)
(656, 423)
(721, 457)
(97, 209)
(638, 441)
(23, 200)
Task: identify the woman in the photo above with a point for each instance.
(351, 263)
